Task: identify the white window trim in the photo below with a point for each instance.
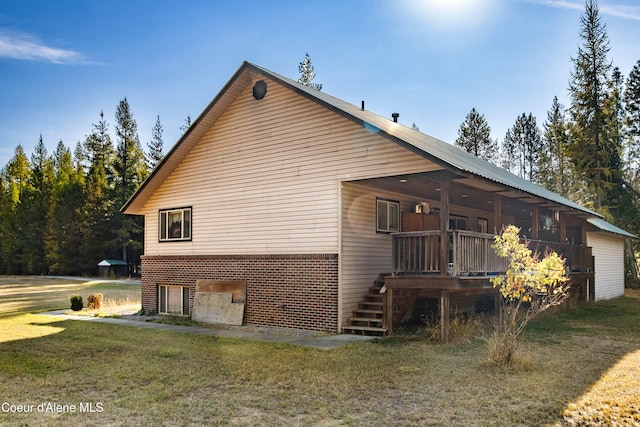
(388, 203)
(166, 213)
(164, 289)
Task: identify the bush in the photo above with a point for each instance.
(76, 303)
(530, 286)
(95, 301)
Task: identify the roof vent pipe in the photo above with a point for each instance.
(395, 117)
(363, 105)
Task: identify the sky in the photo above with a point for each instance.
(431, 61)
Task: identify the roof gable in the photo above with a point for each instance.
(440, 152)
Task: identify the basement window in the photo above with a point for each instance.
(388, 214)
(173, 300)
(175, 224)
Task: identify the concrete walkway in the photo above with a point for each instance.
(322, 342)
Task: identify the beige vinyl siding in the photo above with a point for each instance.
(608, 252)
(265, 178)
(365, 253)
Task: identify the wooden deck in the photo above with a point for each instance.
(418, 271)
(403, 291)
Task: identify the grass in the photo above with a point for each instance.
(574, 363)
(33, 294)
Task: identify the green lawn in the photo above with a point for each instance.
(33, 294)
(583, 363)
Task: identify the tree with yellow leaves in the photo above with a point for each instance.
(529, 286)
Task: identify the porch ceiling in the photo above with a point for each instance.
(463, 191)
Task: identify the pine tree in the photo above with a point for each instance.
(620, 207)
(64, 233)
(98, 207)
(15, 177)
(130, 163)
(632, 145)
(555, 167)
(156, 145)
(130, 171)
(588, 89)
(474, 136)
(33, 211)
(522, 148)
(186, 125)
(307, 74)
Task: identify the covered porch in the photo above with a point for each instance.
(441, 248)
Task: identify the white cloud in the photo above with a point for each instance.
(617, 10)
(26, 47)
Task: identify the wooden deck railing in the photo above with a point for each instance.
(416, 252)
(470, 254)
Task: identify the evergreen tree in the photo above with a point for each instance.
(4, 202)
(156, 145)
(632, 145)
(130, 163)
(98, 207)
(33, 211)
(186, 125)
(555, 167)
(522, 148)
(307, 74)
(588, 147)
(620, 207)
(15, 176)
(474, 136)
(64, 234)
(130, 171)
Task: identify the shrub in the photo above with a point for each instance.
(530, 286)
(76, 303)
(95, 301)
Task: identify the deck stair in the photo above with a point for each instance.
(367, 318)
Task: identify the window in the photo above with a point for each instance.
(483, 225)
(173, 300)
(388, 213)
(457, 222)
(175, 224)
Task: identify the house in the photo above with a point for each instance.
(319, 205)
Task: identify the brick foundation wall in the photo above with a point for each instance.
(287, 291)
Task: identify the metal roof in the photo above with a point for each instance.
(111, 262)
(434, 149)
(603, 225)
(440, 152)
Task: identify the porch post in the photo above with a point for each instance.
(444, 225)
(534, 222)
(444, 315)
(497, 213)
(387, 321)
